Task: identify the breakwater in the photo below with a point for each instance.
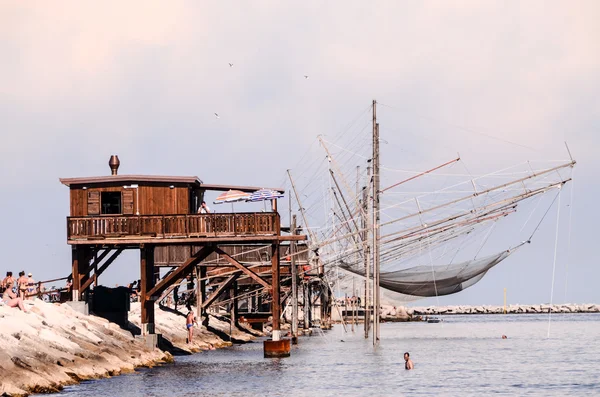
(52, 345)
(510, 309)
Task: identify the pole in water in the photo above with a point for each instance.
(294, 283)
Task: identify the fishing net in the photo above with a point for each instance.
(429, 281)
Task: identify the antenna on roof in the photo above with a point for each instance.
(114, 163)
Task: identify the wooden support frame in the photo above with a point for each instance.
(102, 268)
(97, 261)
(181, 272)
(243, 268)
(224, 285)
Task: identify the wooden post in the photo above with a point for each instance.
(345, 316)
(96, 269)
(352, 304)
(308, 305)
(276, 347)
(294, 283)
(367, 256)
(80, 264)
(376, 231)
(275, 305)
(147, 281)
(233, 309)
(75, 272)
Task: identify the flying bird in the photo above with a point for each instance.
(217, 115)
(230, 64)
(305, 76)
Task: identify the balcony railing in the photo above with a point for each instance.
(173, 226)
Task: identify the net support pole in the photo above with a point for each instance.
(376, 230)
(294, 284)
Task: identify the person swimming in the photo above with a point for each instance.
(408, 364)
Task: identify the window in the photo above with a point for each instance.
(111, 203)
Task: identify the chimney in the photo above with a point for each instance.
(114, 164)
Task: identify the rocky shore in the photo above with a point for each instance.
(52, 346)
(510, 309)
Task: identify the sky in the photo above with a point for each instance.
(82, 80)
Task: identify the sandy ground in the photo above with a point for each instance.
(53, 345)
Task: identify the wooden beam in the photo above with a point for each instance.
(243, 268)
(186, 240)
(97, 261)
(181, 271)
(224, 285)
(102, 268)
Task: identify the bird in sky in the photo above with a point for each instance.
(217, 115)
(305, 76)
(230, 64)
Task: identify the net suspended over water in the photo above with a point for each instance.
(428, 281)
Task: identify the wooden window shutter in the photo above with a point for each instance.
(93, 203)
(127, 202)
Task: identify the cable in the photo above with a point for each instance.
(554, 262)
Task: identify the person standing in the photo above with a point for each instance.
(204, 208)
(22, 284)
(31, 289)
(9, 282)
(408, 364)
(190, 320)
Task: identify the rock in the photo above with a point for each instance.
(53, 346)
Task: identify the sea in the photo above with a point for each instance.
(460, 356)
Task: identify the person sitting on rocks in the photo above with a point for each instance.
(11, 300)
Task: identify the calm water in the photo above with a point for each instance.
(463, 355)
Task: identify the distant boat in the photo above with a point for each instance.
(433, 320)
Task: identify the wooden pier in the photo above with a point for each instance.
(159, 216)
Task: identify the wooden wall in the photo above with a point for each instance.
(162, 200)
(151, 199)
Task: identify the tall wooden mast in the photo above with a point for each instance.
(376, 231)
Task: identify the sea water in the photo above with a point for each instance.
(462, 355)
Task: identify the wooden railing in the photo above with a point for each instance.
(173, 226)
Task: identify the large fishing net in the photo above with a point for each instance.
(429, 281)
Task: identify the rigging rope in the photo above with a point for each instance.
(554, 262)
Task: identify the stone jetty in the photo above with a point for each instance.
(510, 309)
(52, 345)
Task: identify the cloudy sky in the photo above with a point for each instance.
(82, 80)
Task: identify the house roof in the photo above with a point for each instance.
(191, 180)
(130, 179)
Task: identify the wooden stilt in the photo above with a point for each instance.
(75, 272)
(276, 347)
(80, 270)
(233, 309)
(202, 315)
(294, 284)
(147, 283)
(276, 308)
